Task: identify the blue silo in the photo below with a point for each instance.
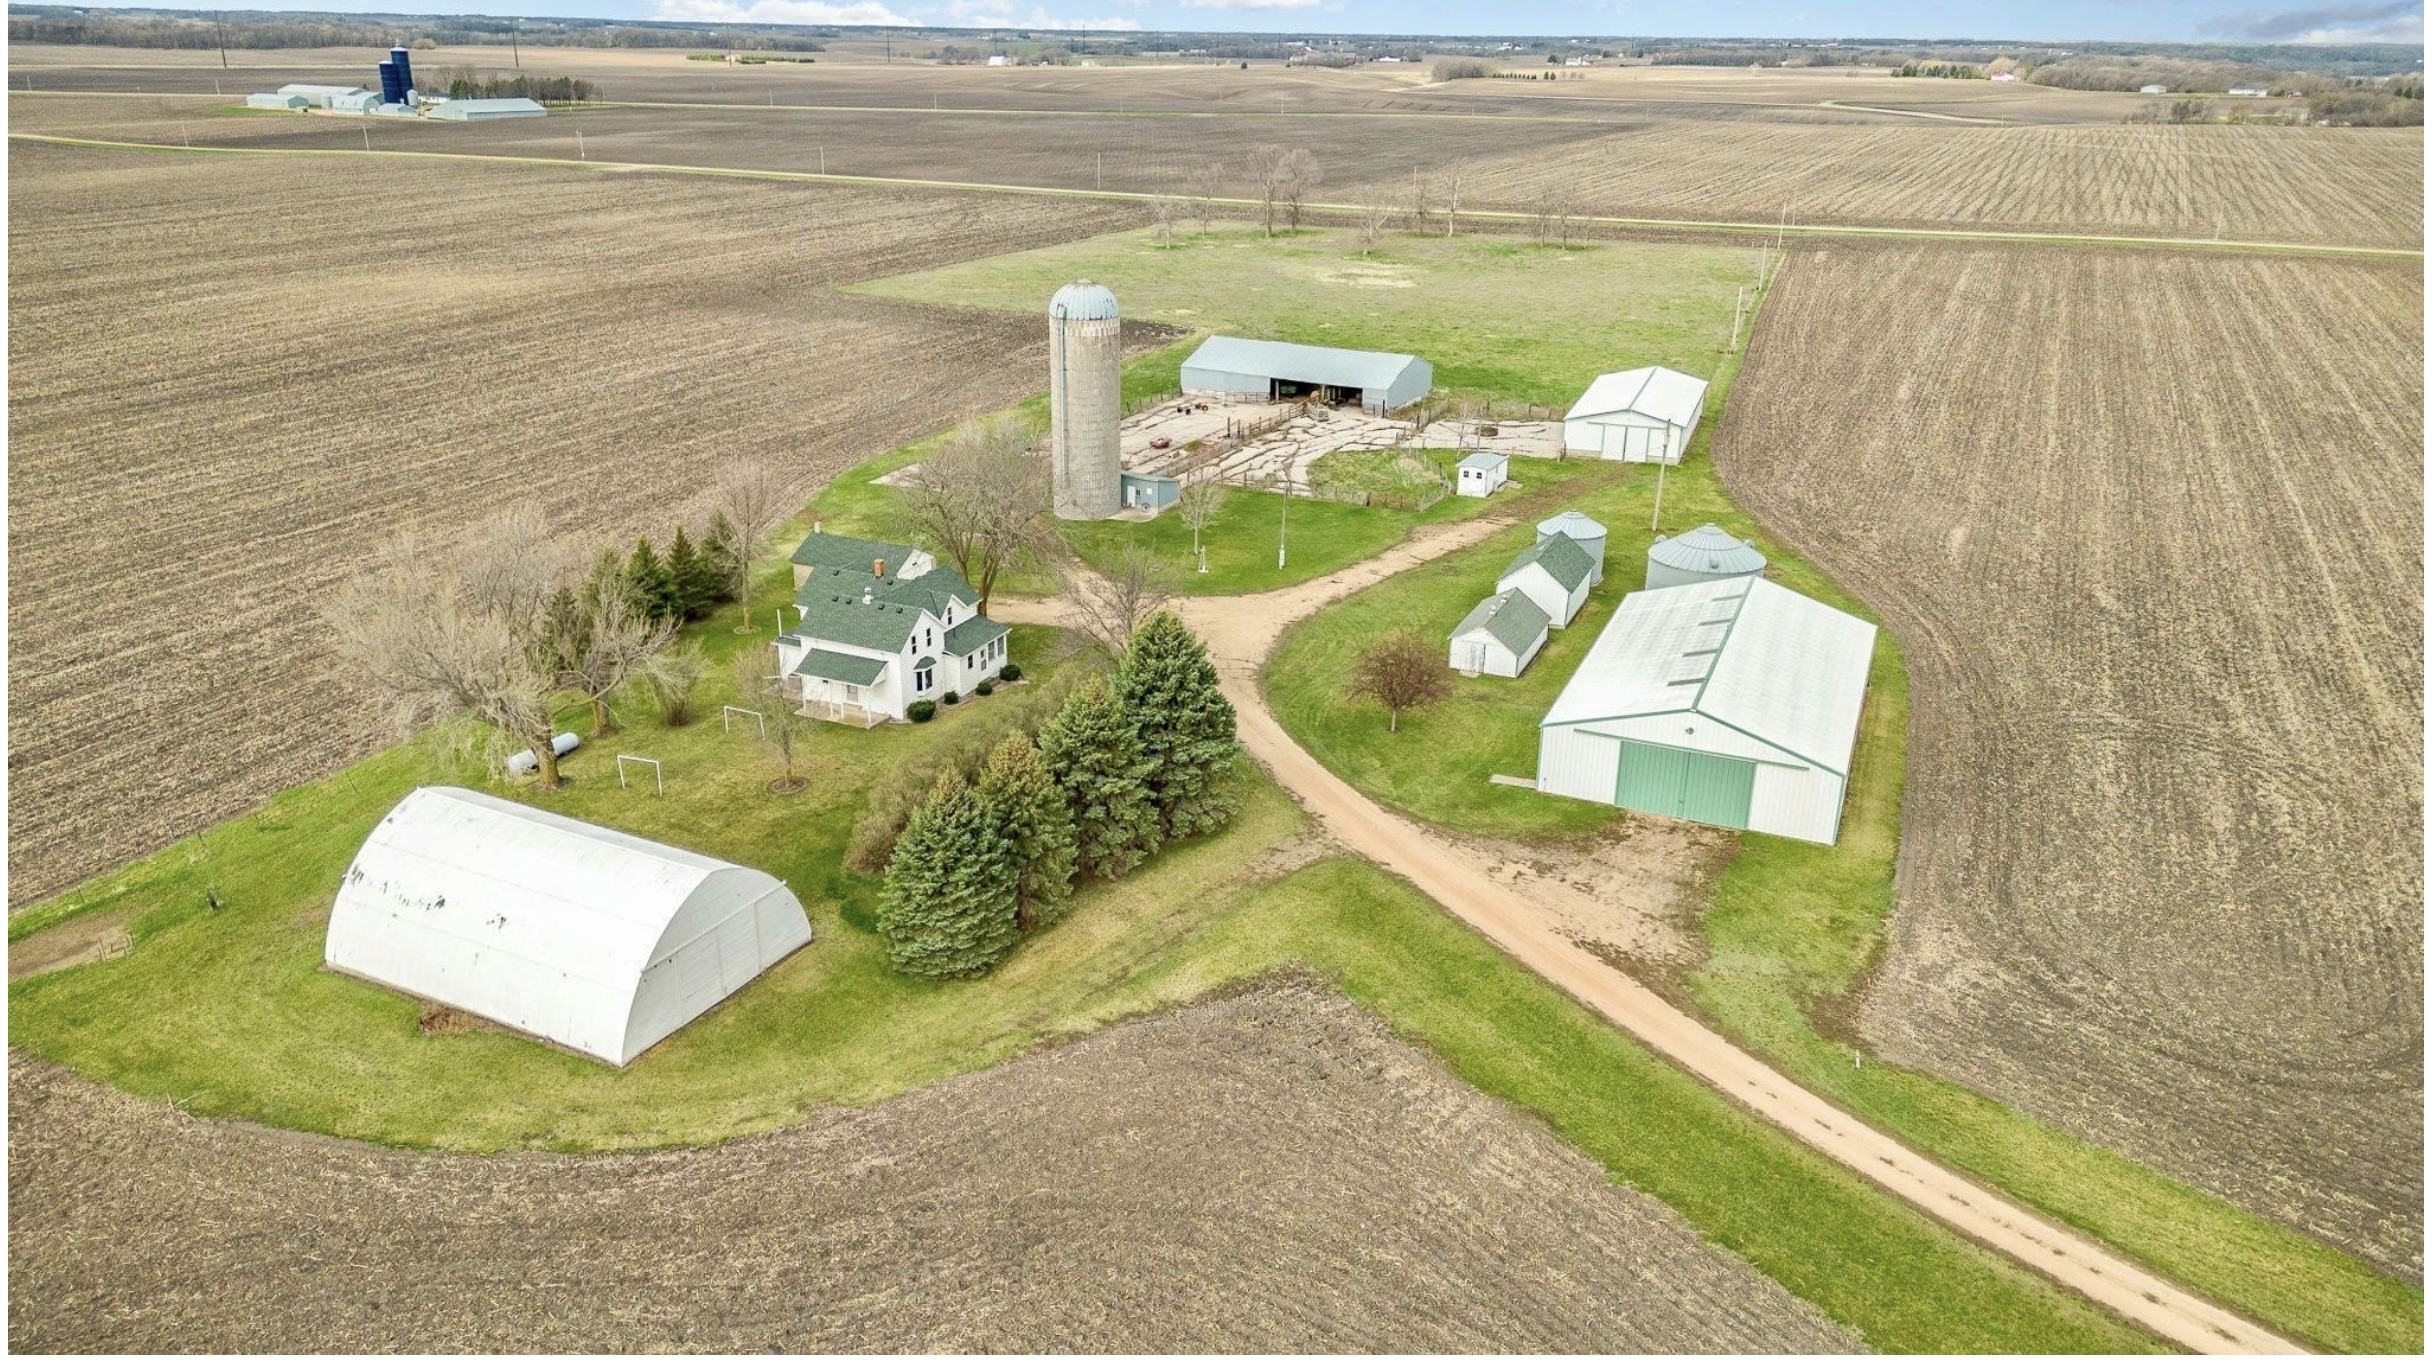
(405, 71)
(392, 89)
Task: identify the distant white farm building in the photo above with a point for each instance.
(1278, 371)
(323, 96)
(1482, 474)
(1733, 702)
(267, 100)
(2248, 92)
(594, 939)
(482, 110)
(2153, 89)
(1499, 638)
(1638, 416)
(1556, 573)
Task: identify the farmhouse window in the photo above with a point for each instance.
(921, 680)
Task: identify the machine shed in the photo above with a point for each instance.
(1637, 416)
(479, 110)
(1731, 702)
(591, 938)
(1278, 371)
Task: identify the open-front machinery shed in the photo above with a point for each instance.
(1278, 371)
(592, 938)
(1732, 702)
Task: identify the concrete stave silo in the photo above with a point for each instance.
(1085, 400)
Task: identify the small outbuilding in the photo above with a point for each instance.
(1555, 573)
(1708, 553)
(290, 103)
(1278, 371)
(482, 110)
(1499, 638)
(1150, 492)
(581, 935)
(1580, 528)
(1733, 702)
(1640, 416)
(1482, 474)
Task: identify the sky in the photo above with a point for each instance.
(2055, 20)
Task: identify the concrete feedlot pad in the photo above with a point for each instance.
(226, 386)
(1270, 1171)
(2150, 529)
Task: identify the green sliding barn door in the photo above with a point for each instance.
(1682, 784)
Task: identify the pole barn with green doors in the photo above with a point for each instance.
(1732, 702)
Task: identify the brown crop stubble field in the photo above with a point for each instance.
(2150, 529)
(230, 376)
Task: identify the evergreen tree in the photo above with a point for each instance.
(720, 556)
(952, 888)
(652, 585)
(1094, 753)
(696, 579)
(1022, 796)
(1168, 687)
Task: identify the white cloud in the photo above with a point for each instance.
(2384, 21)
(1001, 14)
(1251, 4)
(781, 12)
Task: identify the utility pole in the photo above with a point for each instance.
(1285, 527)
(515, 43)
(1738, 305)
(1657, 521)
(1101, 170)
(219, 24)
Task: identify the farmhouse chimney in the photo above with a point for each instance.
(878, 568)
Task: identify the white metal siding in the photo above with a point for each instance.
(1804, 803)
(1547, 594)
(1578, 764)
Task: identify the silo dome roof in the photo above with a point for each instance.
(1707, 549)
(1575, 524)
(1084, 302)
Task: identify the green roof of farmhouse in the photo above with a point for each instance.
(845, 551)
(848, 605)
(1511, 619)
(973, 634)
(1560, 556)
(846, 667)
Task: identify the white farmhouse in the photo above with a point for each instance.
(1640, 416)
(1555, 573)
(1482, 474)
(1499, 638)
(1731, 702)
(871, 642)
(586, 937)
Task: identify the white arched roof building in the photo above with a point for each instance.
(592, 938)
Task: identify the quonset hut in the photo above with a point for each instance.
(1085, 400)
(591, 938)
(1705, 554)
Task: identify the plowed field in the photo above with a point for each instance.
(1267, 1173)
(230, 376)
(2150, 529)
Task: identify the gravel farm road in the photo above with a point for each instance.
(1241, 631)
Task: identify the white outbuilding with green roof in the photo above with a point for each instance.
(1499, 638)
(1732, 702)
(1556, 573)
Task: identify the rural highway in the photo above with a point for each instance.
(1241, 631)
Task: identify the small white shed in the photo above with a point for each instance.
(594, 939)
(1639, 416)
(1499, 638)
(1732, 702)
(1482, 474)
(1555, 573)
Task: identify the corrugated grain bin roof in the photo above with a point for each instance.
(543, 923)
(1665, 394)
(1575, 525)
(1083, 301)
(1767, 661)
(1708, 549)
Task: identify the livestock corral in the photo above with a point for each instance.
(2150, 529)
(187, 476)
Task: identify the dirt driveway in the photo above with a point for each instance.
(1270, 1171)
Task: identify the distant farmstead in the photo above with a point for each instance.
(1637, 416)
(584, 936)
(1278, 371)
(1732, 702)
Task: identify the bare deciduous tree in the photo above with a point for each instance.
(673, 675)
(1266, 171)
(783, 727)
(598, 639)
(1206, 185)
(1419, 200)
(755, 499)
(1107, 609)
(1298, 176)
(1202, 498)
(1371, 225)
(1161, 213)
(1452, 196)
(1400, 671)
(436, 631)
(982, 499)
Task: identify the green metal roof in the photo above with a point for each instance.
(1512, 619)
(846, 667)
(973, 634)
(1560, 556)
(844, 551)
